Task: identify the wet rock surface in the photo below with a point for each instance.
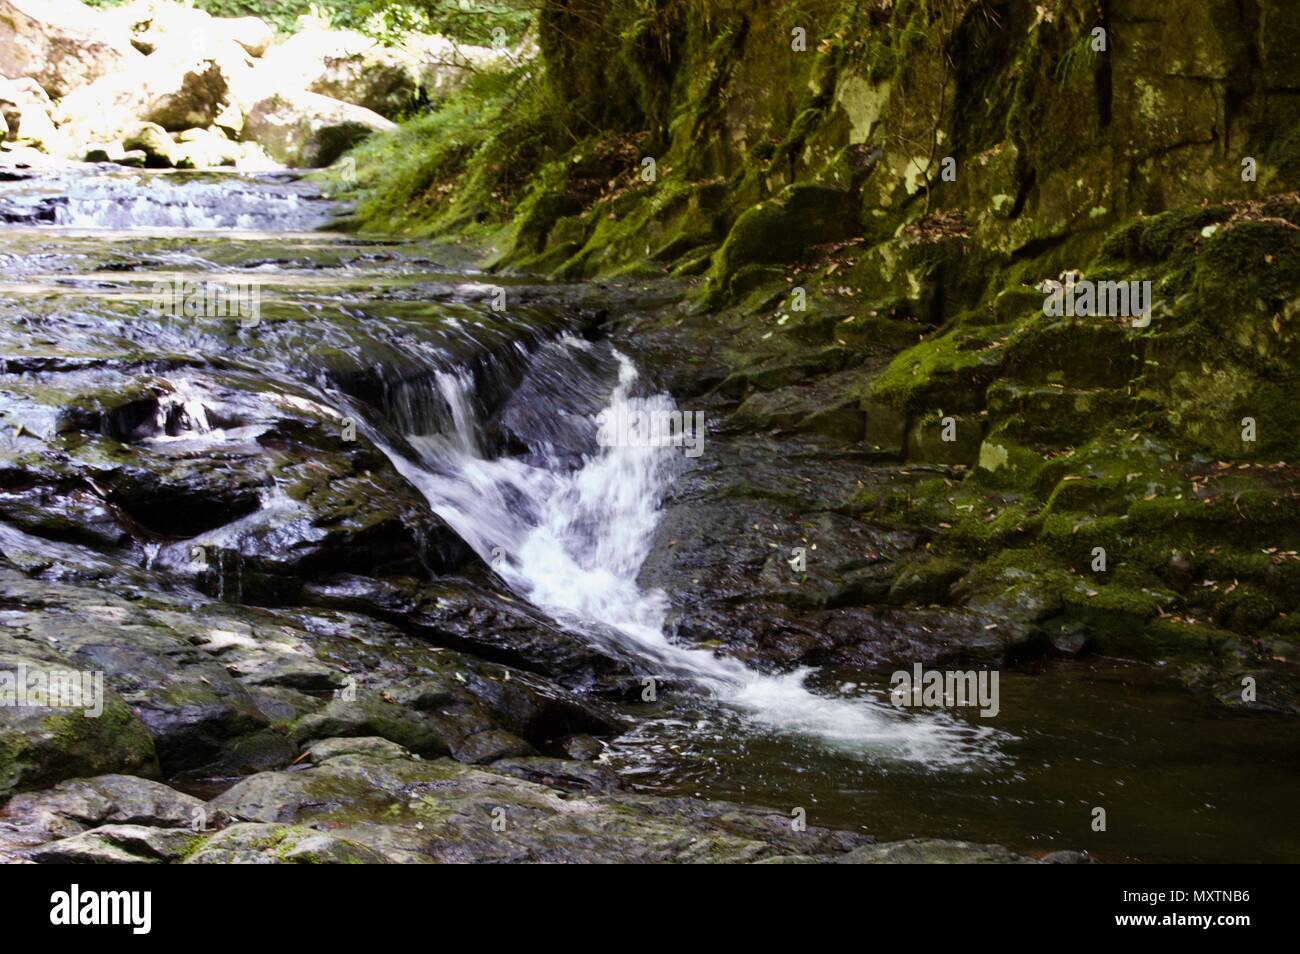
(368, 800)
(200, 510)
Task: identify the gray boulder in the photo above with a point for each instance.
(307, 130)
(118, 844)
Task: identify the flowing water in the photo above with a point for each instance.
(494, 416)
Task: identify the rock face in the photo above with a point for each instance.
(867, 322)
(307, 130)
(61, 44)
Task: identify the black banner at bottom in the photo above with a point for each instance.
(138, 904)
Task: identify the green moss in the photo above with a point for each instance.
(946, 373)
(783, 228)
(465, 165)
(927, 580)
(191, 847)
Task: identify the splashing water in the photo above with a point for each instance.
(572, 543)
(104, 198)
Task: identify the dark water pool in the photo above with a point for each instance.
(1182, 778)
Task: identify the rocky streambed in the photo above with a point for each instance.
(362, 585)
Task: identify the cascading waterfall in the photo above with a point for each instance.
(572, 541)
(108, 199)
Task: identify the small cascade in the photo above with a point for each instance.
(131, 200)
(572, 539)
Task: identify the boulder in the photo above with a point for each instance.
(445, 65)
(119, 844)
(175, 94)
(32, 819)
(62, 44)
(117, 154)
(230, 120)
(253, 158)
(935, 851)
(257, 844)
(26, 108)
(404, 810)
(167, 28)
(41, 744)
(253, 34)
(390, 80)
(151, 139)
(347, 66)
(382, 79)
(307, 130)
(206, 149)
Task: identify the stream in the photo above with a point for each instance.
(493, 416)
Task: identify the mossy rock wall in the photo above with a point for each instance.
(1049, 134)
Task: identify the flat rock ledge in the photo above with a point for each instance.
(369, 800)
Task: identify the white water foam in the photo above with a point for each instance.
(572, 543)
(107, 198)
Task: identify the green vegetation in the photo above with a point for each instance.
(465, 165)
(470, 21)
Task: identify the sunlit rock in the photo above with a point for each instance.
(26, 111)
(307, 130)
(61, 44)
(176, 95)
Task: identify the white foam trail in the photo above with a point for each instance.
(573, 543)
